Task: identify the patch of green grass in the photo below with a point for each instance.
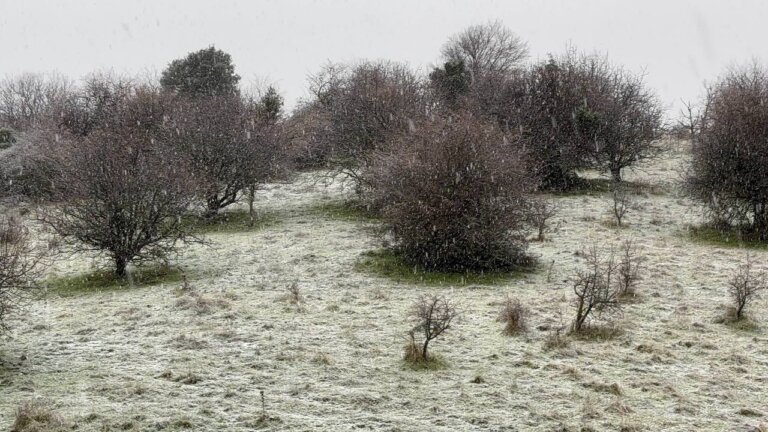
(730, 238)
(387, 264)
(231, 222)
(343, 210)
(600, 186)
(105, 280)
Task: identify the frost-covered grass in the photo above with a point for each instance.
(161, 358)
(344, 210)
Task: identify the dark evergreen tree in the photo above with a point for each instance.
(208, 72)
(450, 82)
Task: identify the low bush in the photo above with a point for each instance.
(454, 196)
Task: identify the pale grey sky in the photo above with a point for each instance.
(679, 43)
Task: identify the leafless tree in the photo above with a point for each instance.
(621, 119)
(433, 315)
(93, 102)
(489, 48)
(629, 266)
(20, 264)
(454, 195)
(27, 98)
(230, 148)
(541, 104)
(596, 290)
(541, 212)
(366, 104)
(123, 190)
(745, 286)
(577, 111)
(727, 172)
(309, 136)
(621, 201)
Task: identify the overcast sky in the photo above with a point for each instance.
(679, 43)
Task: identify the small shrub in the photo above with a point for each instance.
(433, 316)
(294, 297)
(514, 316)
(596, 288)
(541, 213)
(6, 138)
(20, 265)
(555, 340)
(744, 287)
(454, 196)
(628, 269)
(37, 416)
(621, 202)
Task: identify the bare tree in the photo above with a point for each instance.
(596, 290)
(621, 120)
(576, 111)
(541, 212)
(621, 201)
(629, 266)
(366, 106)
(433, 316)
(727, 172)
(122, 189)
(20, 264)
(745, 286)
(93, 102)
(454, 195)
(489, 48)
(28, 98)
(541, 104)
(230, 148)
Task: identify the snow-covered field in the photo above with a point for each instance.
(151, 358)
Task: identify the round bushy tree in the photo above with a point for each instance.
(207, 72)
(365, 106)
(454, 195)
(730, 151)
(122, 189)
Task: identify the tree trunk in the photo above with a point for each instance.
(760, 220)
(212, 207)
(251, 197)
(424, 350)
(616, 174)
(120, 264)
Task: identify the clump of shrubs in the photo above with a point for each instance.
(454, 195)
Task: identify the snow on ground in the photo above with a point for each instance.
(144, 359)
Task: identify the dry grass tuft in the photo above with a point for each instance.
(202, 304)
(37, 416)
(514, 316)
(555, 340)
